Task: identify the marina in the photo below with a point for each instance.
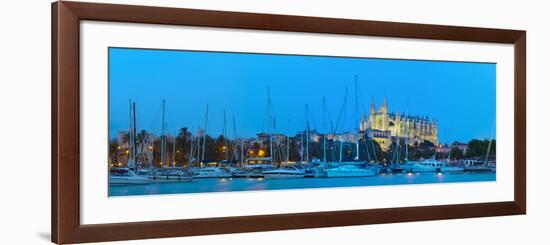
(288, 135)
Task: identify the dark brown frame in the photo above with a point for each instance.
(65, 181)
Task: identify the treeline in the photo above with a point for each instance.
(476, 149)
(216, 150)
(178, 150)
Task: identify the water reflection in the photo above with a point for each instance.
(254, 184)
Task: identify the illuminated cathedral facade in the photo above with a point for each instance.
(385, 127)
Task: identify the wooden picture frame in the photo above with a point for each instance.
(65, 174)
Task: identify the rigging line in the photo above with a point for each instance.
(361, 98)
(312, 119)
(493, 132)
(169, 126)
(341, 111)
(326, 113)
(153, 122)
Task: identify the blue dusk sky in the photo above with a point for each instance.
(460, 95)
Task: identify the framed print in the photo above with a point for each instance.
(177, 122)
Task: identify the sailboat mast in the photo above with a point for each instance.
(130, 137)
(341, 148)
(307, 133)
(191, 150)
(225, 137)
(344, 105)
(325, 129)
(242, 153)
(134, 129)
(269, 126)
(174, 152)
(198, 143)
(288, 144)
(204, 134)
(489, 146)
(277, 146)
(163, 137)
(407, 141)
(301, 147)
(235, 149)
(356, 122)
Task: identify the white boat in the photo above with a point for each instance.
(283, 173)
(430, 165)
(169, 174)
(212, 172)
(452, 169)
(252, 171)
(320, 172)
(349, 171)
(125, 176)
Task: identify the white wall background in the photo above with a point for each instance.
(25, 121)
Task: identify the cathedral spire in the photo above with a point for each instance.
(384, 107)
(372, 106)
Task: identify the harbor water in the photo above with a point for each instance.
(257, 184)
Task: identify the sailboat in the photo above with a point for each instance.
(127, 175)
(428, 165)
(167, 172)
(396, 166)
(281, 171)
(348, 168)
(208, 172)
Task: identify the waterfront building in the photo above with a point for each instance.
(264, 137)
(461, 146)
(381, 125)
(443, 149)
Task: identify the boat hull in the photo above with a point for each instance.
(248, 175)
(282, 175)
(343, 174)
(200, 176)
(128, 181)
(169, 178)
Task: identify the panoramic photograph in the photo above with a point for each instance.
(205, 121)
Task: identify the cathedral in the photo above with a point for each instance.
(385, 127)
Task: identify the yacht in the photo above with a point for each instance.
(349, 171)
(125, 176)
(320, 172)
(212, 172)
(170, 174)
(252, 171)
(447, 168)
(430, 165)
(283, 173)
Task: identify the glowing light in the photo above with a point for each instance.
(439, 174)
(260, 178)
(409, 174)
(251, 152)
(127, 151)
(150, 147)
(261, 153)
(118, 147)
